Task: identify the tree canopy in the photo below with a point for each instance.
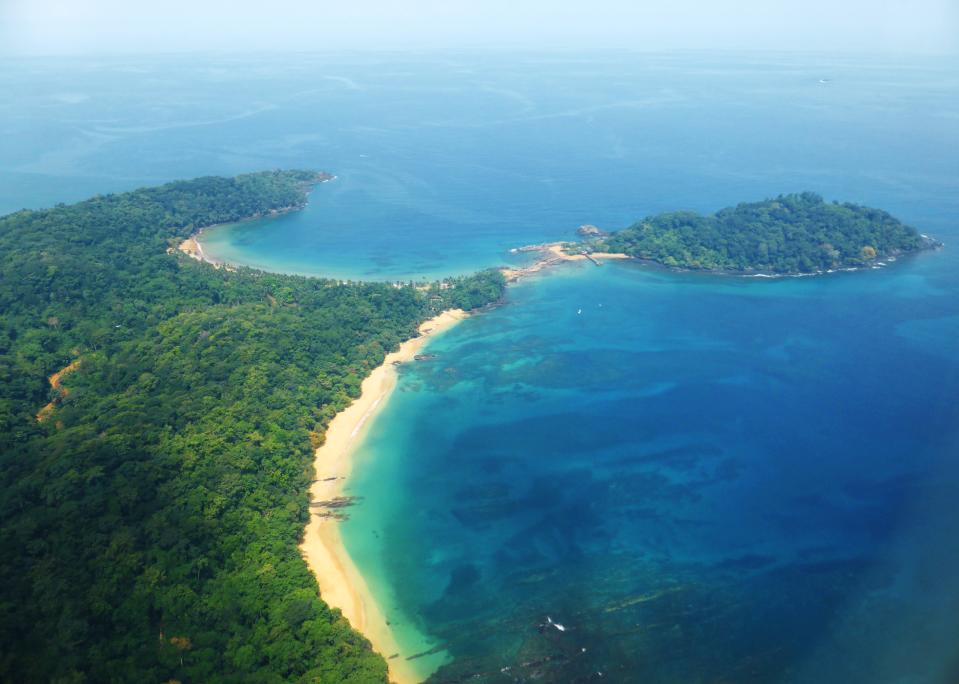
(151, 519)
(797, 233)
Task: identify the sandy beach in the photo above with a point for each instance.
(192, 248)
(341, 584)
(553, 254)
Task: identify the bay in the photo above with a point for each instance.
(700, 478)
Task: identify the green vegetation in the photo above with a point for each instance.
(151, 520)
(789, 234)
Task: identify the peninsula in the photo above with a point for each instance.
(159, 420)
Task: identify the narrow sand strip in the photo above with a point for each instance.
(553, 254)
(341, 584)
(194, 249)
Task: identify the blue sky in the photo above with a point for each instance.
(130, 26)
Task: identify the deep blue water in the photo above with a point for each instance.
(703, 479)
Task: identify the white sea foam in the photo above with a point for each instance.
(362, 421)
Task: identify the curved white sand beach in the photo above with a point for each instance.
(341, 584)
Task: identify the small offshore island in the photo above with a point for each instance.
(791, 235)
(156, 505)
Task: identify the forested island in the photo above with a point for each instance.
(791, 234)
(154, 496)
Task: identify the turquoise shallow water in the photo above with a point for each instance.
(702, 479)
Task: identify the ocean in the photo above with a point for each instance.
(621, 473)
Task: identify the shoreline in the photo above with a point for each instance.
(553, 254)
(193, 248)
(340, 582)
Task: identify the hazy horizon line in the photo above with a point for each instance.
(488, 49)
